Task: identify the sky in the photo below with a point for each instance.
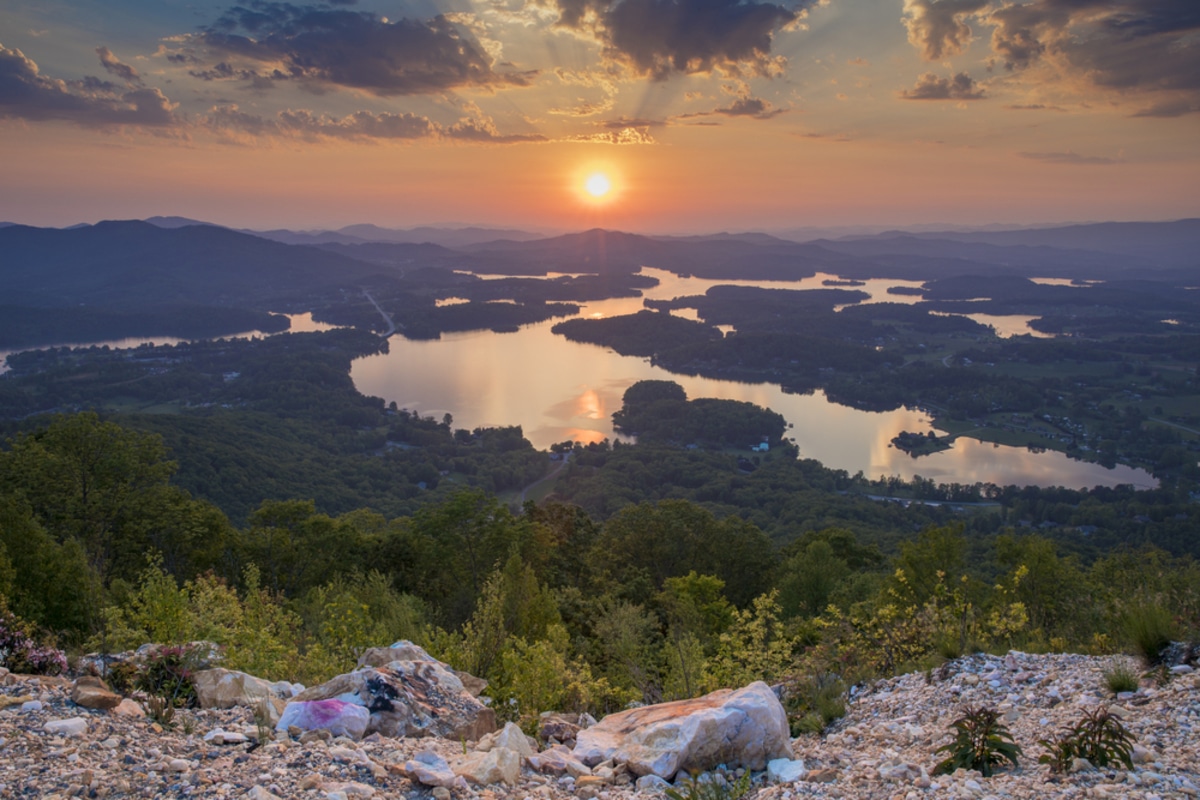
(702, 115)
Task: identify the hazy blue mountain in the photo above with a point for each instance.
(131, 264)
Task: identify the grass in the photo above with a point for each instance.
(1121, 677)
(1149, 629)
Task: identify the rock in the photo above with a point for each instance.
(128, 708)
(785, 770)
(652, 783)
(75, 726)
(432, 770)
(7, 701)
(339, 717)
(494, 766)
(226, 688)
(1080, 765)
(405, 650)
(409, 698)
(743, 728)
(441, 793)
(821, 775)
(260, 793)
(512, 737)
(558, 760)
(563, 727)
(31, 706)
(222, 737)
(91, 692)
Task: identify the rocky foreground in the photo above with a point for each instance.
(884, 747)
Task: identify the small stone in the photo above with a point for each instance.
(825, 775)
(785, 770)
(441, 793)
(31, 706)
(128, 708)
(652, 783)
(76, 726)
(261, 793)
(310, 782)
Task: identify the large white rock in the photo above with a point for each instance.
(743, 728)
(336, 716)
(226, 688)
(510, 736)
(405, 650)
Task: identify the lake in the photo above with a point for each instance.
(559, 390)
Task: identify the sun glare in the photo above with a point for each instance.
(597, 185)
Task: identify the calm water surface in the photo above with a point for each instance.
(558, 390)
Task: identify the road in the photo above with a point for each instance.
(548, 477)
(386, 317)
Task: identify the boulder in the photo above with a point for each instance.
(405, 650)
(563, 727)
(226, 688)
(558, 760)
(430, 769)
(409, 698)
(743, 728)
(497, 765)
(339, 717)
(91, 692)
(512, 737)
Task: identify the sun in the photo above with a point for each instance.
(597, 185)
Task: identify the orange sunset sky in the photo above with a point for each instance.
(703, 114)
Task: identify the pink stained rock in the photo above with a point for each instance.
(336, 716)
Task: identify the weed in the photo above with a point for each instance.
(1121, 677)
(696, 789)
(981, 742)
(161, 710)
(262, 720)
(122, 676)
(1098, 736)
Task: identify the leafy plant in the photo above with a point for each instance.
(981, 742)
(122, 676)
(1098, 736)
(20, 653)
(1120, 677)
(693, 788)
(168, 676)
(812, 705)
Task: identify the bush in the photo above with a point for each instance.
(1098, 736)
(981, 742)
(20, 653)
(1149, 629)
(1121, 677)
(167, 677)
(813, 705)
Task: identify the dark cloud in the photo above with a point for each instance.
(1170, 109)
(930, 87)
(114, 66)
(1068, 158)
(27, 94)
(324, 46)
(360, 126)
(1120, 44)
(662, 37)
(938, 28)
(754, 107)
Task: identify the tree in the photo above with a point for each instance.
(91, 480)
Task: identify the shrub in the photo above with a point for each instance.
(981, 742)
(168, 677)
(1121, 677)
(1149, 629)
(813, 705)
(693, 788)
(20, 653)
(1098, 736)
